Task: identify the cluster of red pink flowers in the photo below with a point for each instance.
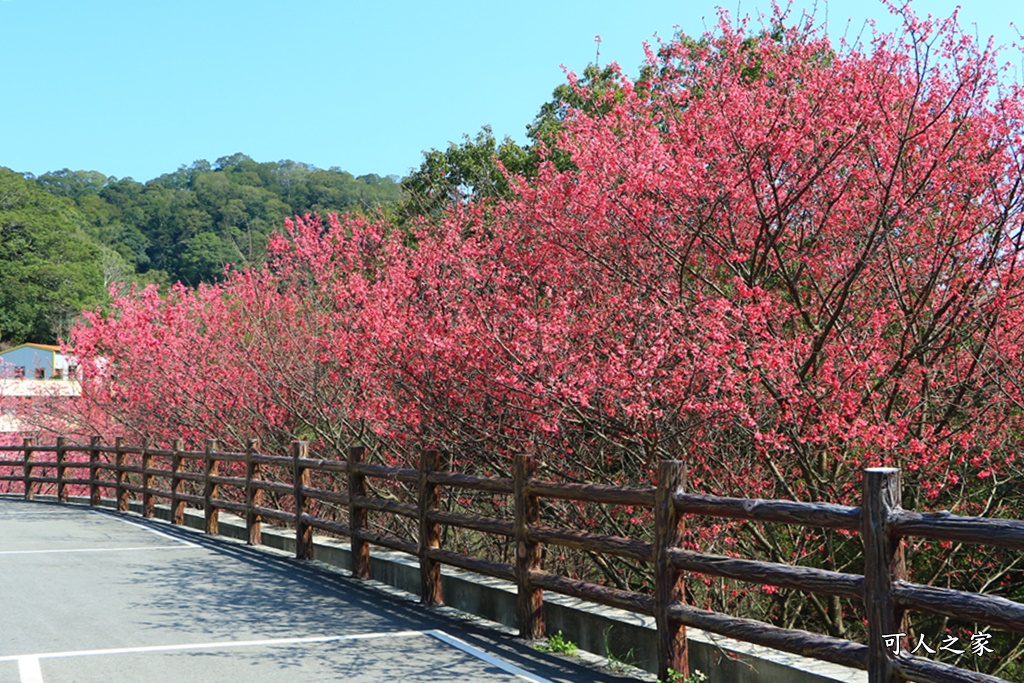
(775, 259)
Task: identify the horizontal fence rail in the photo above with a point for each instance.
(142, 473)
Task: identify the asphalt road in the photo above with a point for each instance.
(91, 595)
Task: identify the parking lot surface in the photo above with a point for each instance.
(92, 595)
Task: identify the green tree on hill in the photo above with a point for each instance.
(49, 268)
(188, 224)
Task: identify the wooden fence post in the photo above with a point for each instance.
(301, 479)
(177, 504)
(253, 494)
(148, 503)
(26, 446)
(211, 490)
(530, 600)
(62, 469)
(669, 530)
(357, 515)
(430, 532)
(94, 470)
(884, 563)
(120, 475)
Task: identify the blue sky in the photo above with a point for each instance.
(140, 87)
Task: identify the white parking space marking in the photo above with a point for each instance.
(483, 656)
(28, 665)
(97, 550)
(28, 669)
(146, 528)
(222, 645)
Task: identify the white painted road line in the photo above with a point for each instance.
(483, 656)
(157, 533)
(28, 668)
(222, 645)
(28, 665)
(98, 550)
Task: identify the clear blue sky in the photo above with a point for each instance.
(140, 87)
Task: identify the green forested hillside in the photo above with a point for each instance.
(66, 236)
(184, 226)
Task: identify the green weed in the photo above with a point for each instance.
(558, 643)
(697, 676)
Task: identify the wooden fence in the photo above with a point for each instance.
(883, 588)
